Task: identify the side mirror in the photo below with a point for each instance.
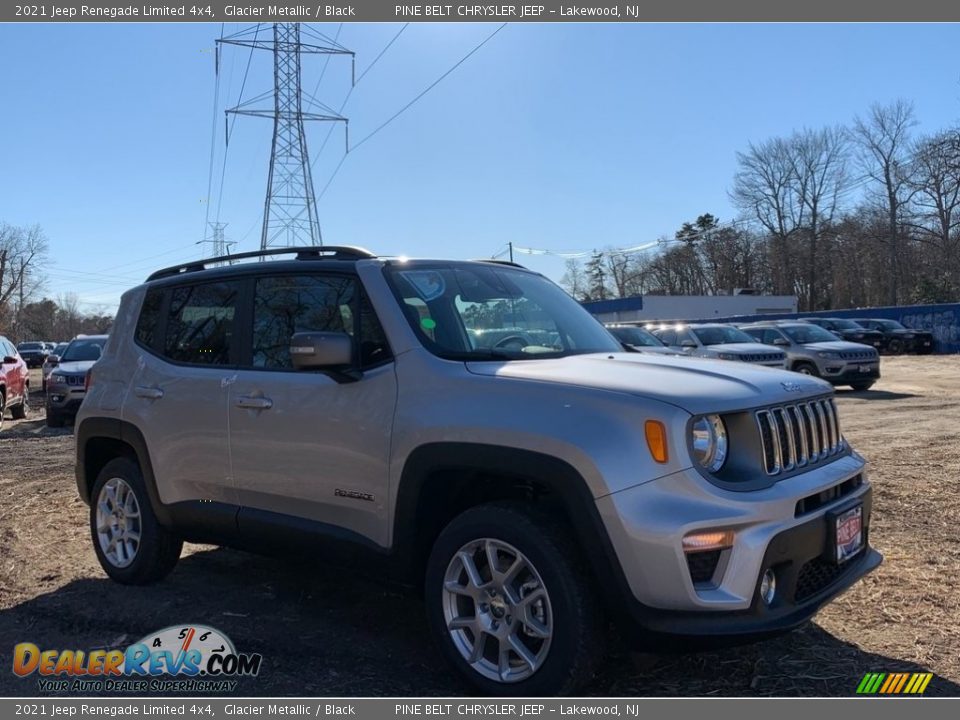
(332, 351)
(53, 360)
(780, 341)
(9, 360)
(688, 344)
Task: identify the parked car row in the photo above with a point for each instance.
(64, 370)
(803, 347)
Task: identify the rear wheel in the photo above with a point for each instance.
(510, 604)
(3, 407)
(806, 368)
(866, 385)
(131, 545)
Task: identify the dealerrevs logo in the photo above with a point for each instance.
(191, 658)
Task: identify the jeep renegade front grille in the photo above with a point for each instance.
(793, 436)
(763, 357)
(859, 355)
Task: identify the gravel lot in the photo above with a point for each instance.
(322, 632)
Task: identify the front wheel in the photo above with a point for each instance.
(862, 385)
(895, 346)
(510, 604)
(131, 545)
(19, 412)
(805, 368)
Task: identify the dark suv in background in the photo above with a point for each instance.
(848, 330)
(900, 339)
(33, 353)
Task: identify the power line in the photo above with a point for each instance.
(352, 87)
(213, 128)
(410, 104)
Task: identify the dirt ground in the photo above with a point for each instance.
(322, 632)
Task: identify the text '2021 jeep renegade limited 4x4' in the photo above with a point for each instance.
(536, 483)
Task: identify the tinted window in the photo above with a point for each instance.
(289, 304)
(200, 325)
(720, 335)
(84, 349)
(146, 332)
(668, 337)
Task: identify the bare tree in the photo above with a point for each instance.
(22, 251)
(574, 280)
(883, 140)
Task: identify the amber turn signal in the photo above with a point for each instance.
(656, 439)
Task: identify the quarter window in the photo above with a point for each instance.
(149, 318)
(200, 324)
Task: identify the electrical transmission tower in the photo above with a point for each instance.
(290, 209)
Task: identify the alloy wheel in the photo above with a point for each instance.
(497, 610)
(118, 522)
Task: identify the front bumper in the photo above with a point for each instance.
(648, 522)
(845, 374)
(62, 399)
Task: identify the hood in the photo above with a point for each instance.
(840, 346)
(656, 350)
(744, 348)
(697, 385)
(78, 367)
(866, 331)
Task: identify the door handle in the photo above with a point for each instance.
(254, 403)
(150, 393)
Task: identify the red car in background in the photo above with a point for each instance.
(14, 382)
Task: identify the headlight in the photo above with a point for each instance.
(709, 440)
(829, 355)
(62, 379)
(728, 356)
(857, 336)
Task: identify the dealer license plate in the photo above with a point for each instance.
(866, 368)
(849, 529)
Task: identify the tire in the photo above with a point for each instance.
(561, 628)
(3, 406)
(55, 419)
(19, 412)
(895, 346)
(866, 385)
(155, 551)
(806, 368)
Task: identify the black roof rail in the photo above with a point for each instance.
(310, 252)
(495, 261)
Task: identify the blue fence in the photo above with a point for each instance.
(942, 320)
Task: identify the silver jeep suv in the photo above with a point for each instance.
(339, 404)
(811, 350)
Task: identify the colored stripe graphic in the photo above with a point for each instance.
(894, 683)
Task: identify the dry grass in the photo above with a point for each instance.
(323, 633)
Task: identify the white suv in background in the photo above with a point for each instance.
(723, 342)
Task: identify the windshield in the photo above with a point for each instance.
(804, 334)
(475, 312)
(635, 336)
(719, 335)
(29, 346)
(846, 325)
(82, 350)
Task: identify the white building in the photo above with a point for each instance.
(689, 307)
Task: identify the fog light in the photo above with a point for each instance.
(768, 586)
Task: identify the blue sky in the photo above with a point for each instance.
(562, 136)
